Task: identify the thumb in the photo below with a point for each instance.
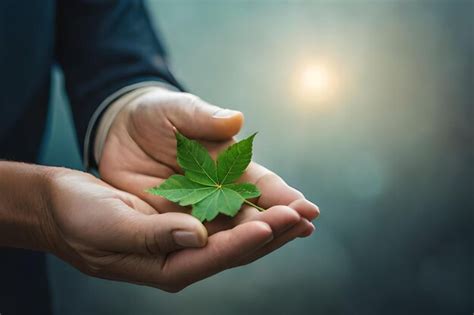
(200, 120)
(161, 233)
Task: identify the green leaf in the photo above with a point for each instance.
(224, 200)
(196, 162)
(246, 190)
(206, 185)
(232, 163)
(178, 188)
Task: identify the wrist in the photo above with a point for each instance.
(48, 234)
(25, 219)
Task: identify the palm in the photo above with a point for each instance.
(140, 152)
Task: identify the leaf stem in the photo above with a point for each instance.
(254, 205)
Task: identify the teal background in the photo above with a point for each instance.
(388, 160)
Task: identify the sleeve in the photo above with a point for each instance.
(104, 47)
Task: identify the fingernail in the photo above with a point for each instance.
(225, 113)
(186, 238)
(316, 209)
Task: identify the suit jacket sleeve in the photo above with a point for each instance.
(103, 46)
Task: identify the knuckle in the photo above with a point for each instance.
(193, 103)
(159, 244)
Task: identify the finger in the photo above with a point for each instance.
(303, 229)
(128, 231)
(275, 191)
(222, 251)
(286, 224)
(198, 119)
(305, 208)
(280, 218)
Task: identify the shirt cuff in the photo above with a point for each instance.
(105, 114)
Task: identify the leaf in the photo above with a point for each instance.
(223, 200)
(196, 162)
(178, 188)
(206, 185)
(232, 163)
(246, 190)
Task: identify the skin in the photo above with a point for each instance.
(117, 231)
(142, 135)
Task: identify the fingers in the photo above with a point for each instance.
(279, 218)
(227, 249)
(305, 208)
(285, 222)
(274, 191)
(223, 250)
(199, 120)
(303, 228)
(181, 268)
(282, 219)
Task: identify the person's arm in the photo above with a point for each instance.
(106, 49)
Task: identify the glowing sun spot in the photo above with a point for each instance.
(315, 83)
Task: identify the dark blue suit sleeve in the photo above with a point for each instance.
(103, 46)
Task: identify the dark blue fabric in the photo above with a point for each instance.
(101, 46)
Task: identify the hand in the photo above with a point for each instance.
(140, 152)
(111, 234)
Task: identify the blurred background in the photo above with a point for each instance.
(367, 108)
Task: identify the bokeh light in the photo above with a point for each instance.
(316, 83)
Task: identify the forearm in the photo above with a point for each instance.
(23, 205)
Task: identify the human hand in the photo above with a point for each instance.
(140, 152)
(111, 234)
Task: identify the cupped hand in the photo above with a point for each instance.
(112, 234)
(140, 152)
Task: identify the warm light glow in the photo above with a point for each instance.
(316, 82)
(315, 79)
